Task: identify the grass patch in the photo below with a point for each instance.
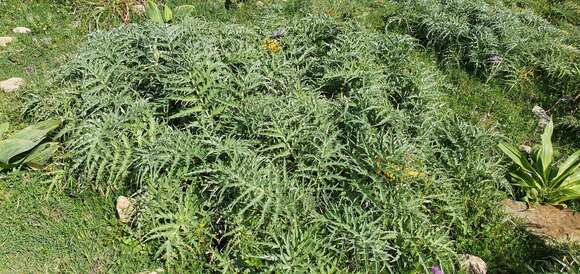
(53, 232)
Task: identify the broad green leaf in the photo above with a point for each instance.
(568, 167)
(546, 152)
(572, 180)
(517, 157)
(567, 194)
(36, 132)
(13, 147)
(167, 14)
(40, 155)
(24, 141)
(152, 11)
(525, 179)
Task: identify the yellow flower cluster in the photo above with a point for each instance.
(272, 45)
(397, 169)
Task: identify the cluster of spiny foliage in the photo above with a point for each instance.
(495, 42)
(305, 145)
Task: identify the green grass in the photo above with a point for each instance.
(42, 231)
(56, 30)
(55, 233)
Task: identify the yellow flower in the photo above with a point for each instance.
(272, 45)
(413, 173)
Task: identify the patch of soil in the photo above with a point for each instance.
(546, 221)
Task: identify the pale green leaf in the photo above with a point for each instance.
(40, 155)
(13, 147)
(152, 11)
(546, 152)
(167, 14)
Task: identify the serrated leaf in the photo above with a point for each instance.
(187, 112)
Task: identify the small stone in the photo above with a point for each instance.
(278, 33)
(156, 271)
(21, 30)
(5, 40)
(542, 115)
(495, 59)
(29, 69)
(526, 149)
(125, 209)
(11, 84)
(472, 264)
(138, 9)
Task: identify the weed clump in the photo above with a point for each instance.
(332, 154)
(517, 48)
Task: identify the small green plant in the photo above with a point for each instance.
(154, 13)
(25, 147)
(538, 176)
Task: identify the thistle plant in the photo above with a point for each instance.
(324, 151)
(512, 47)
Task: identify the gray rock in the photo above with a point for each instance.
(11, 84)
(542, 115)
(526, 149)
(472, 264)
(125, 209)
(29, 69)
(5, 40)
(278, 33)
(138, 9)
(21, 30)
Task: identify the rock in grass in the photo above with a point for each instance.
(11, 84)
(21, 30)
(138, 9)
(156, 271)
(549, 223)
(472, 264)
(542, 115)
(5, 40)
(526, 149)
(125, 209)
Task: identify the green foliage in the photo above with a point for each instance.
(515, 47)
(539, 177)
(333, 154)
(25, 147)
(155, 14)
(61, 231)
